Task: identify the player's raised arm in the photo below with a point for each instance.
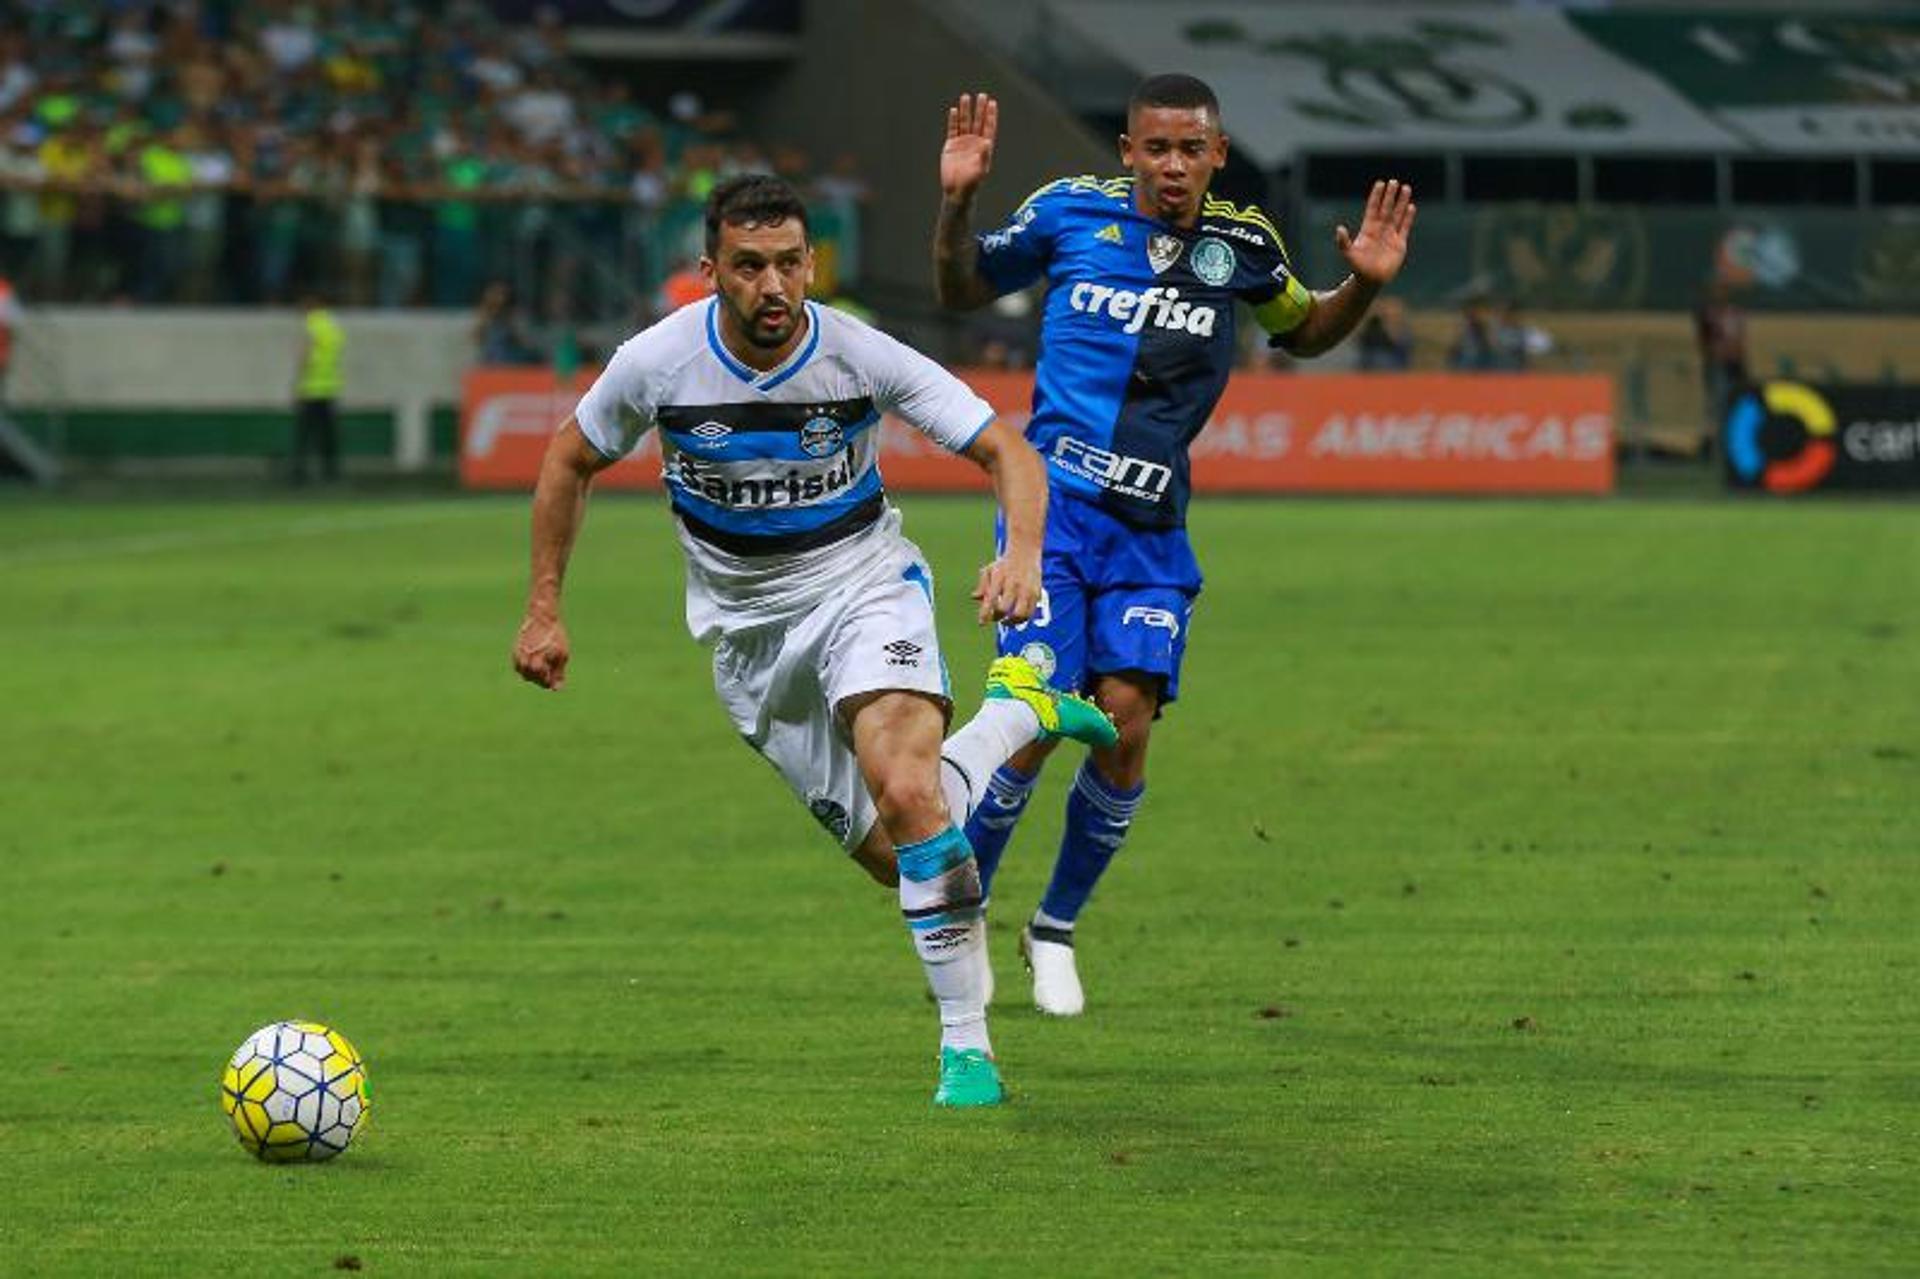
(966, 157)
(1374, 255)
(540, 652)
(1009, 587)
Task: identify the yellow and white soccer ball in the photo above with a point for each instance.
(295, 1090)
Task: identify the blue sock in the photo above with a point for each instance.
(991, 823)
(1098, 815)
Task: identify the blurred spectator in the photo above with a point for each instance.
(456, 225)
(10, 316)
(131, 49)
(358, 228)
(542, 111)
(1385, 342)
(405, 225)
(836, 199)
(290, 40)
(1473, 351)
(316, 389)
(211, 167)
(545, 43)
(1516, 343)
(499, 335)
(997, 353)
(17, 77)
(1720, 330)
(494, 68)
(68, 160)
(165, 176)
(19, 193)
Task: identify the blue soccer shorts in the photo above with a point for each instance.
(1118, 598)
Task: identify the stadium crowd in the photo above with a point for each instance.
(390, 152)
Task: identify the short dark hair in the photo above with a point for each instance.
(1182, 92)
(753, 199)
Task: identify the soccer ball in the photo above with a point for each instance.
(295, 1090)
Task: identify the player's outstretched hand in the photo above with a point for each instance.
(540, 652)
(1375, 254)
(1008, 592)
(967, 154)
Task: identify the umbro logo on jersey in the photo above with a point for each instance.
(1110, 234)
(1159, 307)
(1163, 251)
(904, 653)
(711, 435)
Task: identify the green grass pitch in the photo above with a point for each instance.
(1522, 888)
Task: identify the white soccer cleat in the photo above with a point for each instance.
(1048, 953)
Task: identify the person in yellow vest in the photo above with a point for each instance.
(316, 390)
(166, 179)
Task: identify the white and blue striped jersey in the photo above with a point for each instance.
(774, 476)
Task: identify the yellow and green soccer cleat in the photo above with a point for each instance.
(1061, 714)
(968, 1077)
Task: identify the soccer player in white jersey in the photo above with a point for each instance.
(818, 610)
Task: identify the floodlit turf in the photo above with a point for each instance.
(1523, 888)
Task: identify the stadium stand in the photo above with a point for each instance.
(393, 153)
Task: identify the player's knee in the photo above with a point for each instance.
(908, 797)
(1132, 706)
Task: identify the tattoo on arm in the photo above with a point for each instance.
(956, 255)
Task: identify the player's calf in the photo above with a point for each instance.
(940, 901)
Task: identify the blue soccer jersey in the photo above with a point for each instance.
(1137, 336)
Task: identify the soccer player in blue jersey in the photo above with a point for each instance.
(1143, 273)
(817, 607)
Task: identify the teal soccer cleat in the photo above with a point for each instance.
(1061, 714)
(968, 1077)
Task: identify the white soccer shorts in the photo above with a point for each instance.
(780, 684)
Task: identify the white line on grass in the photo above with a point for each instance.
(196, 539)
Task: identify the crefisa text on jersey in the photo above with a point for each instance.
(1159, 307)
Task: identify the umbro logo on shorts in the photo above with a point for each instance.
(904, 653)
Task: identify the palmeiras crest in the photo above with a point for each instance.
(1213, 261)
(1163, 251)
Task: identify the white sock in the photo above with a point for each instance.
(940, 898)
(1043, 920)
(968, 758)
